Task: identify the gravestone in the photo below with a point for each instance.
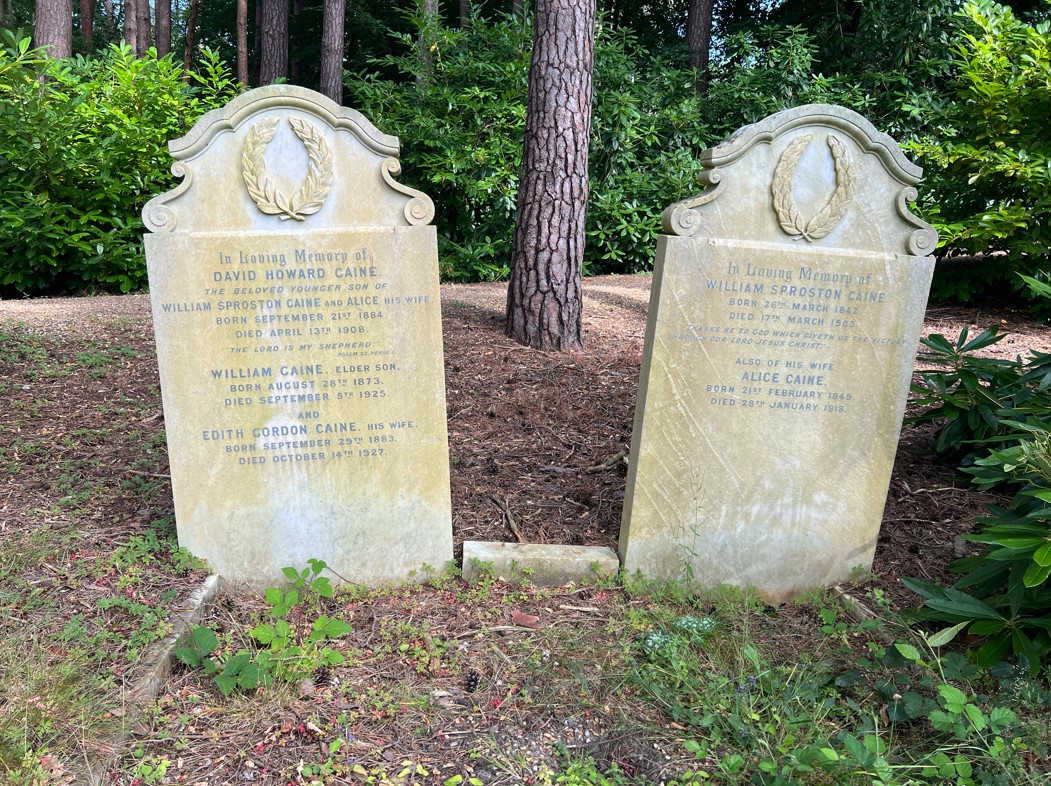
(784, 319)
(294, 287)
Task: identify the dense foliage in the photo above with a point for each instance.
(461, 119)
(994, 419)
(82, 148)
(930, 75)
(965, 87)
(988, 151)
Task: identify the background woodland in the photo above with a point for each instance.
(966, 87)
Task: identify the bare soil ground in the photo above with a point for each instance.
(540, 439)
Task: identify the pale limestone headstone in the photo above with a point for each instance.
(294, 286)
(784, 319)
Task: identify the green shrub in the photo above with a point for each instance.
(988, 151)
(1004, 594)
(995, 418)
(83, 146)
(648, 128)
(977, 400)
(461, 120)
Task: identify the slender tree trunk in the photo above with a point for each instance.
(428, 19)
(543, 295)
(242, 42)
(111, 17)
(191, 34)
(53, 28)
(699, 40)
(132, 19)
(273, 29)
(87, 23)
(163, 31)
(144, 27)
(332, 49)
(465, 14)
(295, 62)
(257, 39)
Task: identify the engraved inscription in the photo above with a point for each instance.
(788, 322)
(307, 334)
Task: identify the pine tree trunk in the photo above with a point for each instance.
(53, 29)
(111, 16)
(543, 295)
(428, 15)
(163, 33)
(87, 23)
(699, 40)
(273, 29)
(144, 28)
(191, 34)
(132, 18)
(242, 42)
(332, 49)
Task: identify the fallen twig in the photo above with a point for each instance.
(610, 464)
(502, 504)
(495, 629)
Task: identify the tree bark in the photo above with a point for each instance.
(111, 17)
(53, 27)
(547, 255)
(699, 40)
(332, 49)
(144, 27)
(465, 14)
(273, 28)
(132, 18)
(191, 34)
(242, 42)
(428, 18)
(163, 30)
(87, 23)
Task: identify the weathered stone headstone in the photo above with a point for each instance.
(294, 286)
(784, 319)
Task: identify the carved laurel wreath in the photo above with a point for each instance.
(788, 215)
(310, 196)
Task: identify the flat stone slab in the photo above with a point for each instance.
(546, 565)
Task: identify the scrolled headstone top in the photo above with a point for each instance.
(813, 158)
(294, 155)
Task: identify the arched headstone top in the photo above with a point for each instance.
(817, 174)
(285, 153)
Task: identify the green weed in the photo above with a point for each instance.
(290, 652)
